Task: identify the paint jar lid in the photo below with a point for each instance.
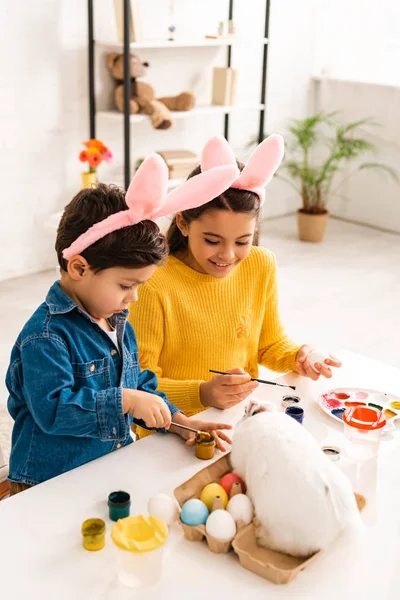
(92, 527)
(139, 534)
(287, 400)
(332, 452)
(120, 499)
(363, 417)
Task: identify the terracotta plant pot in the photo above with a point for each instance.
(88, 179)
(311, 227)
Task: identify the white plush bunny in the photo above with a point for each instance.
(302, 500)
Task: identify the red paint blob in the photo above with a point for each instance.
(361, 395)
(342, 395)
(330, 402)
(355, 403)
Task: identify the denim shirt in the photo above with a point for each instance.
(65, 381)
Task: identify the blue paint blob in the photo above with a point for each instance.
(338, 412)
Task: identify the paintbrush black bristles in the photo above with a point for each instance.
(292, 387)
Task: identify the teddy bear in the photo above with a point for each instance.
(143, 98)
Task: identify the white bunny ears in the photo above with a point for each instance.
(147, 198)
(260, 167)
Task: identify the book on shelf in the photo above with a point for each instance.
(224, 86)
(179, 162)
(135, 22)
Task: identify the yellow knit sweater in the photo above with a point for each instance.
(187, 323)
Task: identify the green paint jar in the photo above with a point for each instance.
(119, 504)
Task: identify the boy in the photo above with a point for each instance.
(74, 379)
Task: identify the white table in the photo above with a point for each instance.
(40, 542)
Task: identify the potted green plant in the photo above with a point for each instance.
(338, 144)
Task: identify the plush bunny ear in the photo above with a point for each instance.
(256, 406)
(261, 166)
(216, 153)
(148, 188)
(198, 190)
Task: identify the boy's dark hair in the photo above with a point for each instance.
(232, 199)
(136, 246)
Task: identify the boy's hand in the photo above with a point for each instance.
(304, 368)
(150, 408)
(190, 437)
(225, 391)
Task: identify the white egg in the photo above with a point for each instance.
(164, 507)
(317, 357)
(221, 526)
(241, 508)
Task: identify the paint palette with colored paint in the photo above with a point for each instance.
(335, 402)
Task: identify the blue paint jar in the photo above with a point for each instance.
(119, 504)
(296, 412)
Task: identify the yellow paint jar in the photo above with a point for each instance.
(205, 446)
(94, 534)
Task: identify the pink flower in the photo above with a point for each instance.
(108, 156)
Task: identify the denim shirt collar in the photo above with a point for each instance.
(60, 303)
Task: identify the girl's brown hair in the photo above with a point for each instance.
(232, 199)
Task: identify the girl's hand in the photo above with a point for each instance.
(306, 370)
(190, 436)
(225, 391)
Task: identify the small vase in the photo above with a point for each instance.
(88, 179)
(311, 227)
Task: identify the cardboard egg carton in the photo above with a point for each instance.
(274, 566)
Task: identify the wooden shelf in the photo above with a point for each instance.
(197, 111)
(201, 43)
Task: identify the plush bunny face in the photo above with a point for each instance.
(115, 62)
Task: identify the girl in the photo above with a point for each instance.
(214, 304)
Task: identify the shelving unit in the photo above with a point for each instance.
(127, 47)
(198, 110)
(200, 43)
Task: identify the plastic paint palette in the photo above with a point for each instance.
(335, 402)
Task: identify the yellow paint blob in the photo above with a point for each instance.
(395, 405)
(389, 414)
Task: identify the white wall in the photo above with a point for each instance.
(359, 76)
(368, 196)
(43, 96)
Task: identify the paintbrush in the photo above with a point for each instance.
(293, 387)
(196, 431)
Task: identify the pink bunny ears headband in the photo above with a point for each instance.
(260, 168)
(147, 197)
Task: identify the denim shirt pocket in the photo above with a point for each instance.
(94, 374)
(131, 370)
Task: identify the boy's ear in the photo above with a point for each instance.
(181, 224)
(77, 267)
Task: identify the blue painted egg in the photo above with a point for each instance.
(194, 512)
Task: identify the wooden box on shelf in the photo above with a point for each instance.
(224, 86)
(179, 162)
